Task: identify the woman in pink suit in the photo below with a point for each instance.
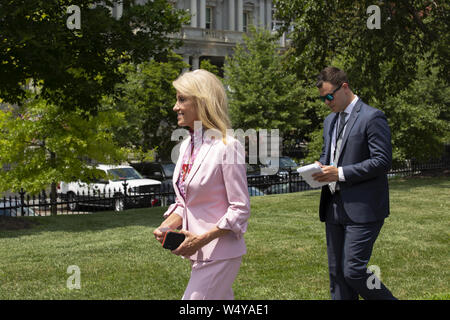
(212, 204)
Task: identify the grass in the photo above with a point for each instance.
(119, 259)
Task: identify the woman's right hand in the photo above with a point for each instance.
(173, 221)
(159, 233)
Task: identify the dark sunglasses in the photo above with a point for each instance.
(330, 96)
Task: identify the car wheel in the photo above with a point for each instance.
(72, 201)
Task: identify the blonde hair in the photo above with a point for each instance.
(210, 98)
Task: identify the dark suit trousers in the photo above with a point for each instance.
(349, 247)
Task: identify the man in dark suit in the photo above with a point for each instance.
(356, 157)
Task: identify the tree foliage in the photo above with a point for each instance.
(207, 65)
(147, 98)
(262, 93)
(43, 145)
(401, 68)
(381, 61)
(419, 117)
(76, 68)
(62, 124)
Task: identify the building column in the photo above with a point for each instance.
(195, 62)
(262, 13)
(283, 40)
(269, 14)
(202, 14)
(231, 16)
(219, 16)
(118, 10)
(193, 12)
(186, 60)
(240, 21)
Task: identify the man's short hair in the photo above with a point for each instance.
(333, 75)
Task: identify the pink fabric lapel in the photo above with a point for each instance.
(204, 149)
(185, 144)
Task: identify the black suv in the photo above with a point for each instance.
(155, 170)
(162, 171)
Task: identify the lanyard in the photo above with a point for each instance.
(338, 134)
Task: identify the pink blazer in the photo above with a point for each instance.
(216, 195)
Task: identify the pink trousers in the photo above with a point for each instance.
(212, 280)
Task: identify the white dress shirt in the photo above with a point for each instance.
(348, 110)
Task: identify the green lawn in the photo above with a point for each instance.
(119, 259)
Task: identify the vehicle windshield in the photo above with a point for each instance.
(287, 162)
(124, 174)
(168, 169)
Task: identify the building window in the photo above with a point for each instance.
(247, 20)
(209, 18)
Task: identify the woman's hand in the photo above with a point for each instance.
(173, 221)
(191, 244)
(159, 233)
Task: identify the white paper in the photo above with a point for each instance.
(307, 171)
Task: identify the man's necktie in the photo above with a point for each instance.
(337, 149)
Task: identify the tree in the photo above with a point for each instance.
(419, 117)
(262, 93)
(147, 98)
(70, 69)
(381, 61)
(44, 145)
(401, 68)
(207, 65)
(75, 68)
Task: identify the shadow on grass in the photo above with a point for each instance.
(97, 221)
(406, 183)
(152, 217)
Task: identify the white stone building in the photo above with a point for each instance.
(217, 26)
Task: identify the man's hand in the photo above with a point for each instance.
(328, 174)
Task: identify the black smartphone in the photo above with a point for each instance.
(172, 240)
